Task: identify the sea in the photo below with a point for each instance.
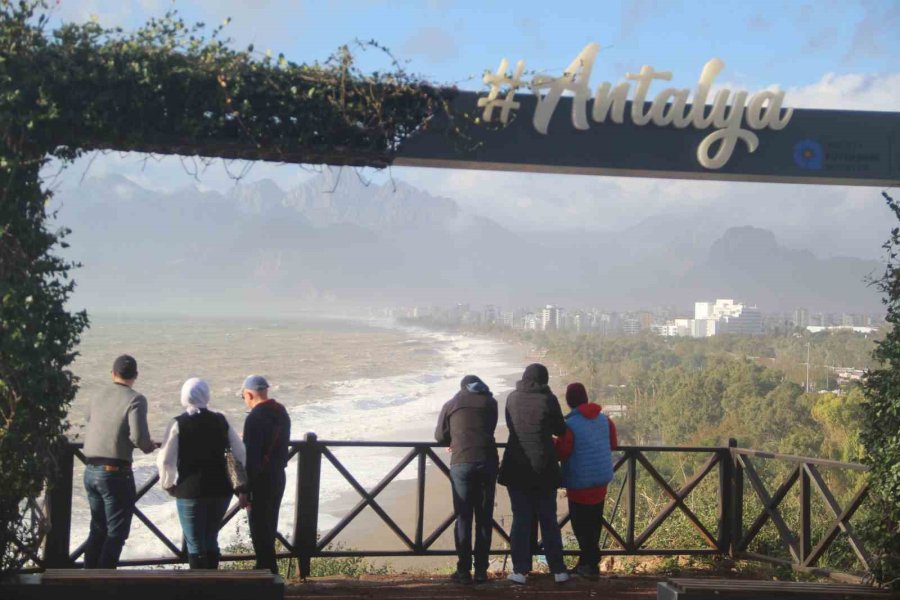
(341, 378)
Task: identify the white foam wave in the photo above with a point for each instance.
(393, 408)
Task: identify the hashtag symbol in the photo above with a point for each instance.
(497, 81)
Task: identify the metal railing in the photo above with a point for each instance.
(731, 536)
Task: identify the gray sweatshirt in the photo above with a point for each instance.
(117, 424)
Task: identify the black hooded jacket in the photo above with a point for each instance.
(467, 423)
(533, 417)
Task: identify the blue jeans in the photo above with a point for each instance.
(111, 496)
(473, 493)
(200, 519)
(528, 503)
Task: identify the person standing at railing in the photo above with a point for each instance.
(585, 450)
(192, 468)
(530, 471)
(267, 432)
(467, 423)
(116, 425)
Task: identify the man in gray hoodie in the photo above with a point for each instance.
(467, 422)
(117, 424)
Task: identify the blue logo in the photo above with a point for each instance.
(808, 154)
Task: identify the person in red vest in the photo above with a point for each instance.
(585, 450)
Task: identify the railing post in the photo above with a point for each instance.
(737, 498)
(805, 533)
(726, 504)
(632, 498)
(59, 510)
(306, 505)
(420, 501)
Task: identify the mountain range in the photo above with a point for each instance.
(334, 240)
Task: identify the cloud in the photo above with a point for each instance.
(434, 44)
(635, 12)
(758, 23)
(879, 22)
(849, 91)
(820, 40)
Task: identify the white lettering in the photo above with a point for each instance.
(644, 79)
(603, 100)
(580, 68)
(698, 107)
(669, 107)
(676, 113)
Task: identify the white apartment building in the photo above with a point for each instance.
(550, 317)
(714, 318)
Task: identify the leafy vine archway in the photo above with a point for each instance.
(169, 88)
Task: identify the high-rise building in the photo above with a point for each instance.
(801, 318)
(550, 317)
(631, 326)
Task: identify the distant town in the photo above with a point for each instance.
(710, 317)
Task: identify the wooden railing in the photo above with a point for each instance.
(737, 483)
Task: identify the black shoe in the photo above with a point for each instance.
(587, 572)
(463, 577)
(196, 561)
(212, 560)
(481, 577)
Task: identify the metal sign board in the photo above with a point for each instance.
(833, 147)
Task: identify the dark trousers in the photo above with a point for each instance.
(111, 496)
(587, 523)
(267, 490)
(473, 486)
(528, 504)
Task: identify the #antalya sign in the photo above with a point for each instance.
(669, 107)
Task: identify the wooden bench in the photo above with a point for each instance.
(156, 584)
(732, 589)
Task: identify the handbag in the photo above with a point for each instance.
(237, 474)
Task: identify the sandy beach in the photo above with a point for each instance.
(369, 532)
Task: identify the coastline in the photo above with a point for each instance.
(369, 532)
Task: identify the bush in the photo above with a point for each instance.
(881, 434)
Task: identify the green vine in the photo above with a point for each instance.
(168, 87)
(881, 431)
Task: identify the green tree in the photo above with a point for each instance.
(881, 432)
(37, 334)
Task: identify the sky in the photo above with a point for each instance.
(825, 54)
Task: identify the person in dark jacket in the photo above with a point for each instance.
(467, 423)
(192, 468)
(267, 432)
(530, 470)
(585, 450)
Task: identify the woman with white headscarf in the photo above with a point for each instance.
(192, 468)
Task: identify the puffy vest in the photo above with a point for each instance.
(202, 438)
(590, 463)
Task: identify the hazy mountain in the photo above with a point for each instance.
(337, 239)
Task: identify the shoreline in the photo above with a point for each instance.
(370, 533)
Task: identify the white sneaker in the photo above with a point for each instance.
(561, 577)
(517, 578)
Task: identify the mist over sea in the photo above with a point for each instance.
(365, 379)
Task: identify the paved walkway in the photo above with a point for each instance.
(425, 587)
